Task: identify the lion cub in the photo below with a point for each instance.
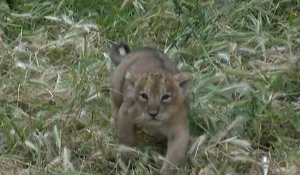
(149, 92)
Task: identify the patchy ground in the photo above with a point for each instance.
(54, 95)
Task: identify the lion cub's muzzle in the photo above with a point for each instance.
(153, 110)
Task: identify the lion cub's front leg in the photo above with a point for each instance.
(125, 125)
(176, 152)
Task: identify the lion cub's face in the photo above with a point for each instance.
(158, 94)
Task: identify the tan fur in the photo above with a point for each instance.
(149, 92)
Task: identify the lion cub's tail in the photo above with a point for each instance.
(118, 52)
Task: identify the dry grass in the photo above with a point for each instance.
(54, 98)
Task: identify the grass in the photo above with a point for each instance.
(54, 95)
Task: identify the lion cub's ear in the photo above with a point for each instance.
(184, 81)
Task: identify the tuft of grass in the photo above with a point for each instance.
(54, 95)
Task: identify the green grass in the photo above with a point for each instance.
(54, 98)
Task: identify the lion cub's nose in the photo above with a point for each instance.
(153, 111)
(153, 114)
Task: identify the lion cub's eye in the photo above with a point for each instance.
(165, 97)
(144, 96)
